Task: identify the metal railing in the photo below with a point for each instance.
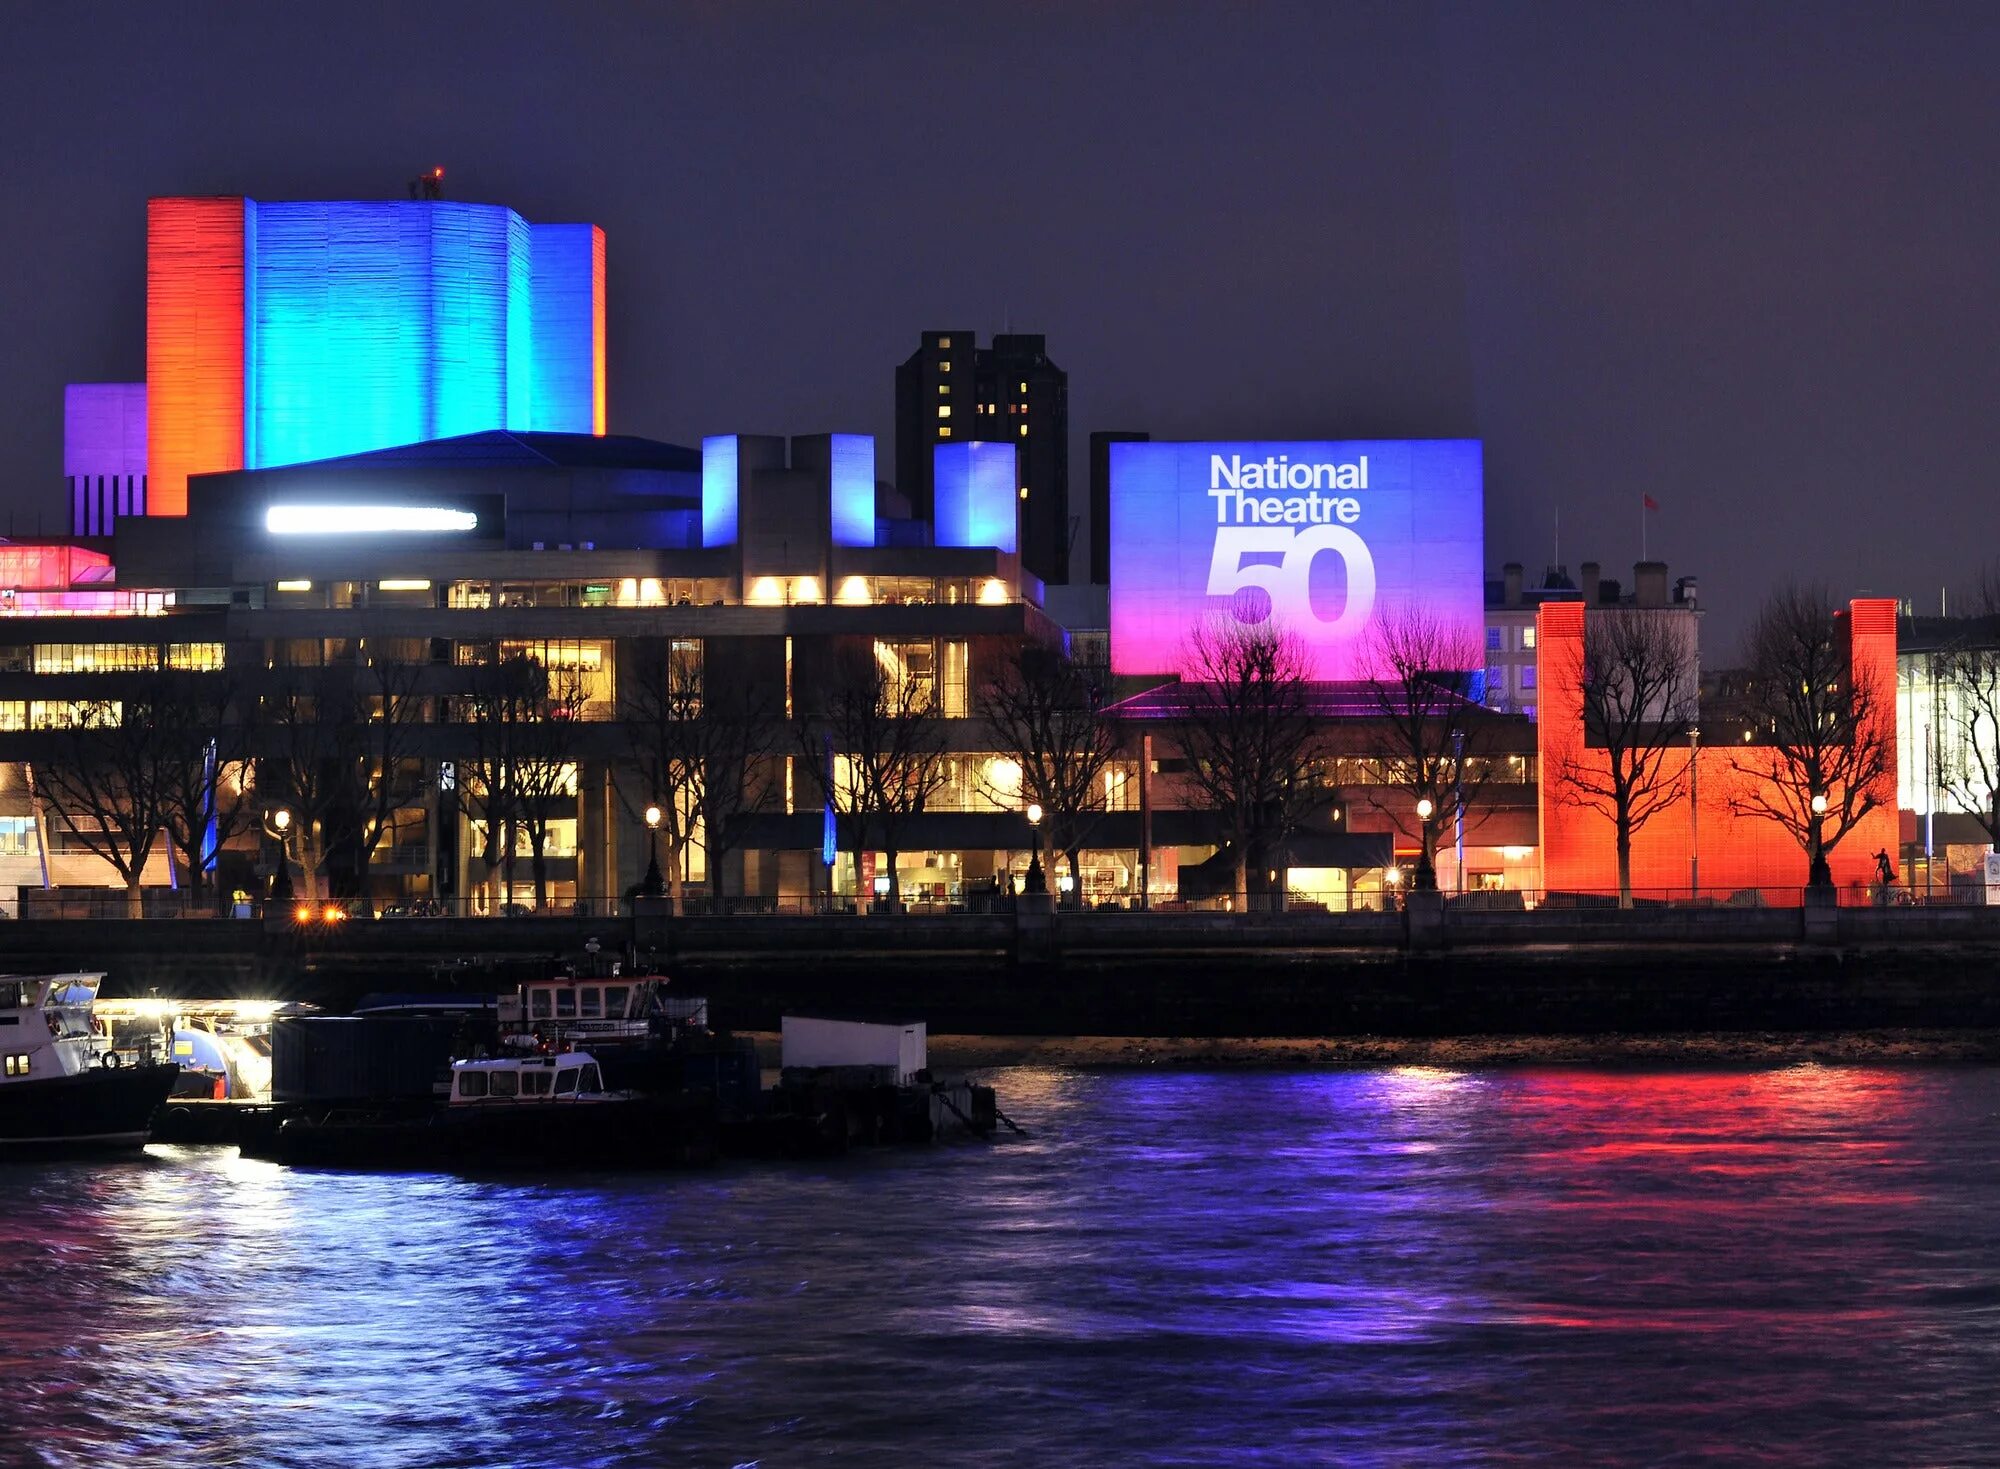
(1598, 907)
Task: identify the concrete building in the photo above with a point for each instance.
(1512, 668)
(950, 390)
(1948, 748)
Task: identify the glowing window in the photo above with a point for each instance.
(1024, 430)
(1527, 637)
(944, 432)
(943, 388)
(944, 367)
(96, 657)
(199, 657)
(944, 344)
(944, 410)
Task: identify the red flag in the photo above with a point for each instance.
(1651, 503)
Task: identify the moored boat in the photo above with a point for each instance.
(63, 1084)
(543, 1112)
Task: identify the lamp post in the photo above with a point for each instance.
(1819, 875)
(1426, 878)
(1037, 881)
(279, 825)
(1694, 813)
(653, 884)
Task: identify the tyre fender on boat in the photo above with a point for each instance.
(110, 1061)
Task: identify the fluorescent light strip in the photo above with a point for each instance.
(356, 520)
(404, 585)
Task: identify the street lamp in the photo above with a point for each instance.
(1820, 874)
(653, 884)
(281, 879)
(1694, 813)
(1426, 878)
(1037, 881)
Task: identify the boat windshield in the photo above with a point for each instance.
(589, 1081)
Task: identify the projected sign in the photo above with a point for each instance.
(1323, 538)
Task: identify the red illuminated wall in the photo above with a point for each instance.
(1579, 845)
(194, 344)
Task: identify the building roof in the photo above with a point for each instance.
(1349, 699)
(504, 448)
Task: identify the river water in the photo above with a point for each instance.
(1795, 1266)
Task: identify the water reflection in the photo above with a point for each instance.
(1400, 1266)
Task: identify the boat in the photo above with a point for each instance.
(543, 1111)
(63, 1082)
(644, 1038)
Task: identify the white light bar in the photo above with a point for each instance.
(404, 584)
(365, 520)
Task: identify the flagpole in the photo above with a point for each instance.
(1642, 528)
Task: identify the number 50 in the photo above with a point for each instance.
(1289, 583)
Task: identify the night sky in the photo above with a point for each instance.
(1739, 258)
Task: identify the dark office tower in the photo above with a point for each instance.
(1009, 392)
(1100, 499)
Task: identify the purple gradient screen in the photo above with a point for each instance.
(1324, 537)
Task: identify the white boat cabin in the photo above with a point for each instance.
(47, 1028)
(607, 1009)
(571, 1076)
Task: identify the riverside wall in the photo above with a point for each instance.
(1550, 972)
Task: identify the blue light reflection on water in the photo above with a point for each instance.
(1406, 1266)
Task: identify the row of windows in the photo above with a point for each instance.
(17, 1065)
(20, 714)
(110, 657)
(1497, 642)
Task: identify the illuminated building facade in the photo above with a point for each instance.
(284, 333)
(763, 560)
(1704, 840)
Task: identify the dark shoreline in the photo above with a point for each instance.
(1694, 1049)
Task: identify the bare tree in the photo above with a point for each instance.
(106, 772)
(887, 734)
(1242, 720)
(339, 745)
(1047, 714)
(702, 750)
(1433, 730)
(1829, 745)
(1968, 709)
(1640, 684)
(524, 723)
(205, 781)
